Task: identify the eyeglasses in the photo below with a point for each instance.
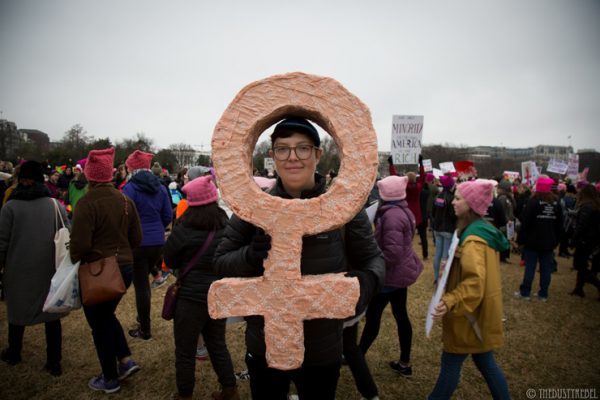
(303, 152)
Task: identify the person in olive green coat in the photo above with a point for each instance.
(471, 308)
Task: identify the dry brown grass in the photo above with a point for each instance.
(552, 345)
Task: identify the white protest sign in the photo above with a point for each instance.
(447, 167)
(573, 167)
(437, 173)
(529, 172)
(371, 210)
(439, 291)
(407, 131)
(557, 166)
(427, 166)
(269, 164)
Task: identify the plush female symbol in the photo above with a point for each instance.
(282, 295)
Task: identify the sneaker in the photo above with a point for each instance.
(201, 353)
(137, 333)
(540, 298)
(242, 375)
(518, 295)
(403, 370)
(158, 282)
(127, 369)
(100, 384)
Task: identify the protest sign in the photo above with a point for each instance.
(573, 166)
(529, 172)
(511, 175)
(557, 166)
(427, 166)
(407, 131)
(465, 168)
(269, 164)
(447, 166)
(437, 173)
(439, 291)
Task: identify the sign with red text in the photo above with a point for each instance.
(407, 131)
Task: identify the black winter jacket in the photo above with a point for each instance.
(541, 225)
(326, 252)
(587, 228)
(181, 247)
(444, 218)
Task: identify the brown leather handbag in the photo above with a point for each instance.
(101, 280)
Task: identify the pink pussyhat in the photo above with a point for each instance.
(478, 194)
(544, 185)
(99, 165)
(138, 160)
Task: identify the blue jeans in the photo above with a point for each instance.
(442, 244)
(546, 259)
(450, 375)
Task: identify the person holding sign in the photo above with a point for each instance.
(471, 308)
(295, 148)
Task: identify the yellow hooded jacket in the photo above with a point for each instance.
(473, 296)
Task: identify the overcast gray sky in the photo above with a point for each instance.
(511, 73)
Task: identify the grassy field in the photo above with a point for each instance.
(548, 345)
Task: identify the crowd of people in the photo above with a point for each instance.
(156, 226)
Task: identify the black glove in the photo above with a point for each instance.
(365, 296)
(258, 249)
(390, 160)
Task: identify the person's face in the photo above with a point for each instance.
(296, 174)
(76, 173)
(68, 171)
(461, 208)
(54, 177)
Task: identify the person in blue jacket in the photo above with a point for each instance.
(154, 207)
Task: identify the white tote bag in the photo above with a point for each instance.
(62, 237)
(64, 288)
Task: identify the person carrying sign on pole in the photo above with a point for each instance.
(471, 308)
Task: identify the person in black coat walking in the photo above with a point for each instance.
(189, 234)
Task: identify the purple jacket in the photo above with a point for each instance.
(153, 204)
(394, 231)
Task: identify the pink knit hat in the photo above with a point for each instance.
(264, 183)
(478, 194)
(139, 160)
(561, 187)
(99, 165)
(201, 191)
(429, 177)
(392, 188)
(447, 181)
(544, 185)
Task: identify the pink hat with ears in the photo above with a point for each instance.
(201, 191)
(544, 185)
(139, 160)
(99, 165)
(478, 194)
(392, 188)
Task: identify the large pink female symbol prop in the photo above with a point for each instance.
(282, 295)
